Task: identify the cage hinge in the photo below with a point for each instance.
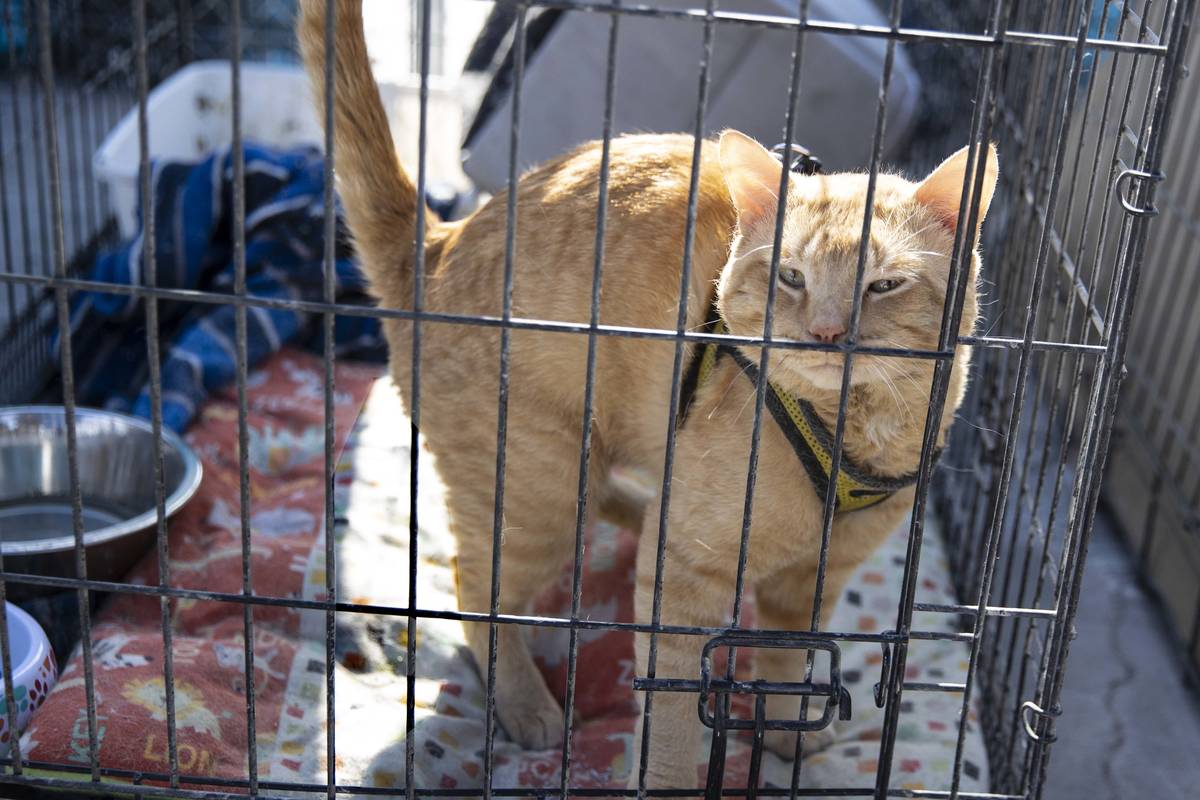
(1119, 184)
(1030, 709)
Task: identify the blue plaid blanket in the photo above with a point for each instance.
(191, 202)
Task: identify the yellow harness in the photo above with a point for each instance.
(810, 438)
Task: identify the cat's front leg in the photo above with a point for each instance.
(697, 591)
(785, 603)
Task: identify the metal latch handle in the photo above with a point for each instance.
(837, 698)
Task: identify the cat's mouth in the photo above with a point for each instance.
(823, 371)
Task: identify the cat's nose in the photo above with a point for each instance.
(827, 331)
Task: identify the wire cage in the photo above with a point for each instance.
(1077, 94)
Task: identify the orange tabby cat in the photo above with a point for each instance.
(905, 286)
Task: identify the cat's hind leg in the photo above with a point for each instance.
(536, 544)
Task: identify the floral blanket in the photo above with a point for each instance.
(286, 456)
(372, 550)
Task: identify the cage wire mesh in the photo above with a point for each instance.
(1077, 94)
(1080, 142)
(95, 86)
(1153, 479)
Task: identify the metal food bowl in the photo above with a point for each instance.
(116, 481)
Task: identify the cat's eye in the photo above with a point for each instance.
(885, 285)
(792, 277)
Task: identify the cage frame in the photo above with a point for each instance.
(1139, 178)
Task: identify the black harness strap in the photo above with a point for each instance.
(802, 426)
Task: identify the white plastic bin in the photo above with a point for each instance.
(191, 113)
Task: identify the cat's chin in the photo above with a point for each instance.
(827, 377)
(820, 376)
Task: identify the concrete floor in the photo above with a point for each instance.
(1130, 727)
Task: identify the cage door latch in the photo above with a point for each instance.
(837, 699)
(720, 690)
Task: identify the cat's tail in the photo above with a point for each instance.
(379, 197)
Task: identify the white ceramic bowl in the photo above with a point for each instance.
(34, 671)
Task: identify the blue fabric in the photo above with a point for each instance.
(12, 26)
(1105, 14)
(284, 201)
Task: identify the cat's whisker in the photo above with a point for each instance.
(911, 235)
(908, 376)
(749, 253)
(742, 371)
(749, 397)
(782, 358)
(895, 370)
(911, 380)
(892, 343)
(901, 405)
(995, 322)
(977, 426)
(886, 384)
(888, 370)
(926, 227)
(904, 224)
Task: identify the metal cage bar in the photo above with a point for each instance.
(329, 221)
(676, 376)
(585, 445)
(46, 68)
(154, 359)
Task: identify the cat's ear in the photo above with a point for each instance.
(752, 175)
(942, 191)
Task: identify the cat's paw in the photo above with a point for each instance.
(783, 743)
(533, 720)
